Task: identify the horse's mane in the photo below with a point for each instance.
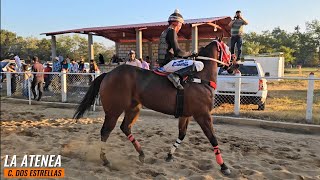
(205, 51)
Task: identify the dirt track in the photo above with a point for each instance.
(250, 152)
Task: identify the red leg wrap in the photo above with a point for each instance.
(135, 143)
(217, 152)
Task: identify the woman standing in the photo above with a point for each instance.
(26, 78)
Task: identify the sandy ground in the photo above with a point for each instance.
(251, 153)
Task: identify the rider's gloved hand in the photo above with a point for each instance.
(194, 54)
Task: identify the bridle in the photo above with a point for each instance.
(211, 59)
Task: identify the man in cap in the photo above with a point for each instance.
(169, 50)
(132, 59)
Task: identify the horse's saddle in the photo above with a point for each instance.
(186, 79)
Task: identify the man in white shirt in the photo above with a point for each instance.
(18, 62)
(132, 59)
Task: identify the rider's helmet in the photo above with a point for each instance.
(176, 17)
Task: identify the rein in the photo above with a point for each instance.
(211, 59)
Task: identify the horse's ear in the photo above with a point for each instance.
(222, 36)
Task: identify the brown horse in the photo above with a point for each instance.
(127, 88)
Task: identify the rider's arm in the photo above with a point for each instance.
(172, 39)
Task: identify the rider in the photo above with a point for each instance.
(169, 50)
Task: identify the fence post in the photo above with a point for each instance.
(237, 93)
(96, 74)
(310, 98)
(8, 76)
(29, 91)
(63, 86)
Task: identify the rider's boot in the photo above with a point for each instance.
(176, 76)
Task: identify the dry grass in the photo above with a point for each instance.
(286, 100)
(304, 72)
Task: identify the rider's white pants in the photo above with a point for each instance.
(178, 64)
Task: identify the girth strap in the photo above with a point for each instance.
(179, 103)
(201, 81)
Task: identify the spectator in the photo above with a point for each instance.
(101, 59)
(12, 68)
(47, 77)
(38, 78)
(114, 59)
(57, 65)
(18, 62)
(156, 65)
(132, 60)
(93, 66)
(93, 69)
(148, 59)
(144, 64)
(68, 60)
(65, 66)
(237, 32)
(74, 67)
(26, 78)
(81, 66)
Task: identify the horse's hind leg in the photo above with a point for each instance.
(131, 116)
(110, 122)
(205, 122)
(183, 125)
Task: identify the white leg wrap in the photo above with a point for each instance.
(175, 146)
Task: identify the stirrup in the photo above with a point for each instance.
(175, 79)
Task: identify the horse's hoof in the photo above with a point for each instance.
(226, 172)
(169, 158)
(107, 163)
(141, 158)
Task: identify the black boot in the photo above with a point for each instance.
(176, 76)
(40, 95)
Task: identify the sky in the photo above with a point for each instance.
(33, 17)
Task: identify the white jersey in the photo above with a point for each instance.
(18, 62)
(178, 64)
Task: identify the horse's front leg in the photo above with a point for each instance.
(183, 124)
(205, 122)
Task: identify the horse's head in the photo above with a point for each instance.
(210, 67)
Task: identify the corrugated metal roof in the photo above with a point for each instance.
(115, 32)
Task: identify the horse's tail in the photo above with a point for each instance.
(90, 97)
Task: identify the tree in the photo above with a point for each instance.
(252, 48)
(8, 43)
(288, 54)
(313, 28)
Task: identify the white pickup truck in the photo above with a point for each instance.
(253, 88)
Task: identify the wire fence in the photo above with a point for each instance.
(291, 99)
